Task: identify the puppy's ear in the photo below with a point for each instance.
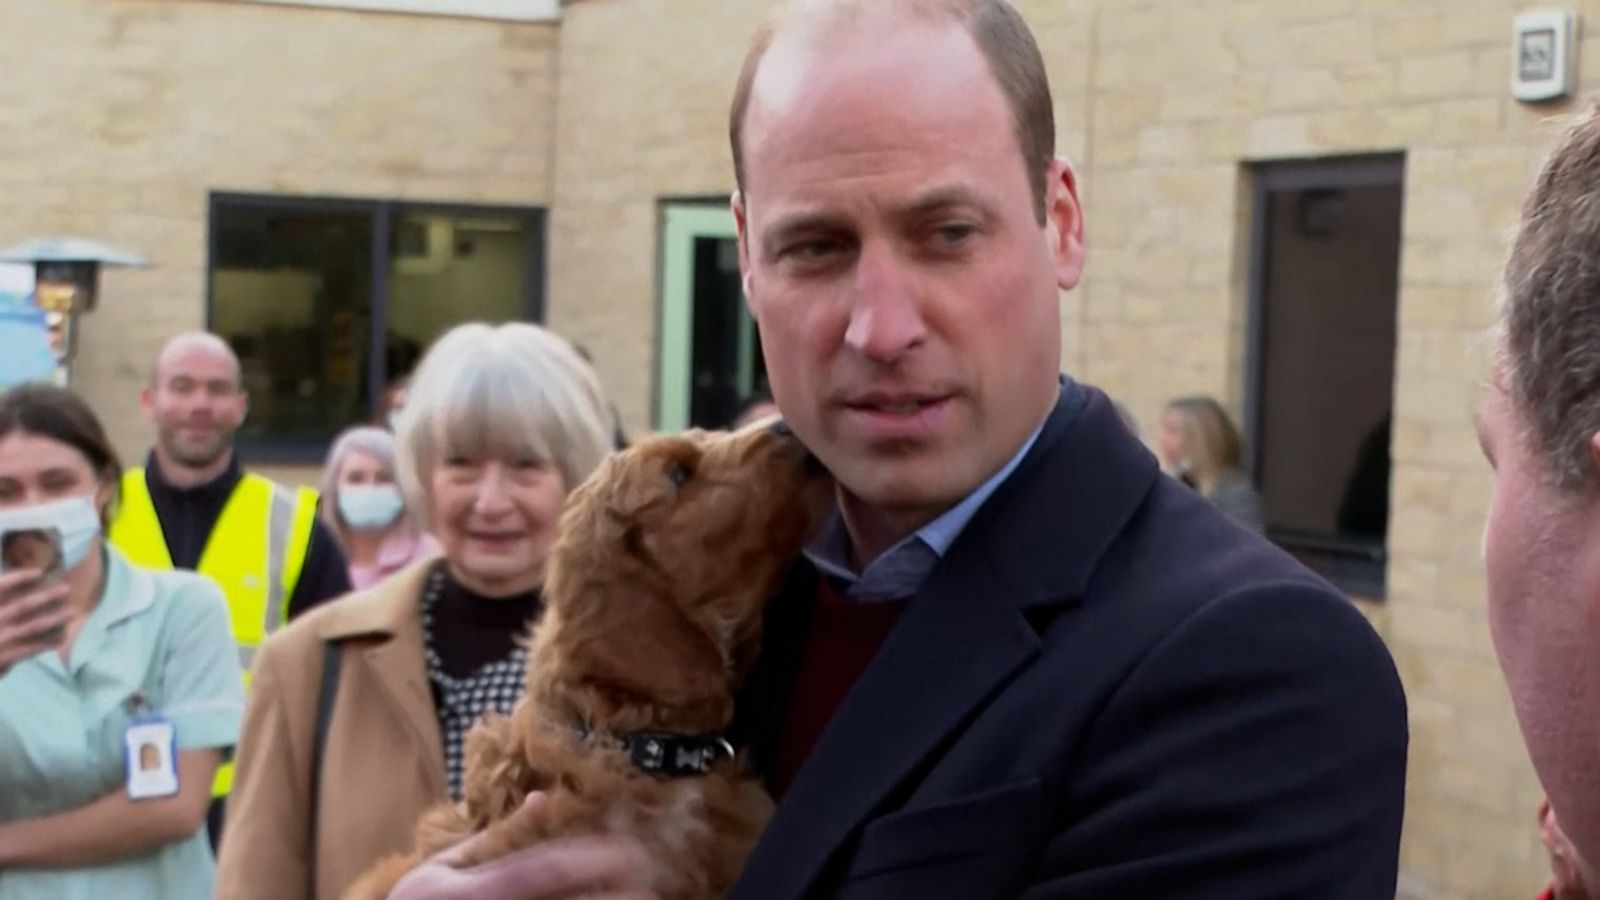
(631, 489)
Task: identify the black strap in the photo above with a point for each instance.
(332, 656)
(675, 755)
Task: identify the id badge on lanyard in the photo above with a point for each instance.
(150, 756)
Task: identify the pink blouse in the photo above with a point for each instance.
(397, 552)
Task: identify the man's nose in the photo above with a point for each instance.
(885, 315)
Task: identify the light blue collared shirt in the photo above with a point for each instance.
(158, 642)
(901, 570)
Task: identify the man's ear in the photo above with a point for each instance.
(1064, 222)
(741, 224)
(147, 402)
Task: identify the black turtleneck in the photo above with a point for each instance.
(187, 516)
(471, 630)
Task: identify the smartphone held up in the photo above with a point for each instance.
(37, 549)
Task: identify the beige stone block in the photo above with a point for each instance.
(1337, 42)
(1437, 30)
(1276, 137)
(1236, 97)
(1395, 126)
(1307, 89)
(1468, 121)
(1440, 75)
(1167, 144)
(1367, 84)
(1259, 44)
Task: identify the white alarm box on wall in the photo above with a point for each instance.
(1542, 55)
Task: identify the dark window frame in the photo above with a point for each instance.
(1362, 568)
(382, 212)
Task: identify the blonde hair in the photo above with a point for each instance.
(374, 442)
(1209, 437)
(513, 391)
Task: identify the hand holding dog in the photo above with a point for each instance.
(595, 868)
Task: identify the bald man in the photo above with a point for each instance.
(193, 507)
(1019, 663)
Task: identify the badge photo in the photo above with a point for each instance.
(151, 758)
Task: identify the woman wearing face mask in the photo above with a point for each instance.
(500, 424)
(95, 664)
(1199, 446)
(363, 507)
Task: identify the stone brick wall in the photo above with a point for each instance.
(119, 117)
(1183, 94)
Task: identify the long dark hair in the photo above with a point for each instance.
(61, 415)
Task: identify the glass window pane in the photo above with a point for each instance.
(291, 291)
(446, 269)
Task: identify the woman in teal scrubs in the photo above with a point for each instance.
(120, 688)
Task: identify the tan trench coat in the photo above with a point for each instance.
(384, 762)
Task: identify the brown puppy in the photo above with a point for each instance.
(652, 619)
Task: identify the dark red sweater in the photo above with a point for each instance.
(843, 637)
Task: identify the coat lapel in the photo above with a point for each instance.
(1032, 546)
(397, 670)
(949, 652)
(384, 626)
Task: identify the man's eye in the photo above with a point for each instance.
(955, 232)
(812, 250)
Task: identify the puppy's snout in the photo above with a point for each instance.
(813, 465)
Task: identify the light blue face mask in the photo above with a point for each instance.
(75, 519)
(370, 507)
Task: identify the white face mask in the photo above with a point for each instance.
(370, 507)
(75, 519)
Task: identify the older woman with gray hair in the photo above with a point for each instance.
(356, 722)
(363, 507)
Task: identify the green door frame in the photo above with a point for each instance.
(682, 224)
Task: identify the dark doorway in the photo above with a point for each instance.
(1325, 277)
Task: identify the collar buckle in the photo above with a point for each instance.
(675, 755)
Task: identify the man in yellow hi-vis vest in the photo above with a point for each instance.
(192, 507)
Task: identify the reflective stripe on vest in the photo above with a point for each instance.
(255, 553)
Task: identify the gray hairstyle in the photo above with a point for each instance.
(513, 391)
(374, 442)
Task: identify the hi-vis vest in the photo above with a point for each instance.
(255, 553)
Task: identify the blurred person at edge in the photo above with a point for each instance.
(124, 647)
(363, 506)
(193, 507)
(1020, 662)
(1539, 426)
(1199, 445)
(502, 422)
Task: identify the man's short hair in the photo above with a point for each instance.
(1001, 35)
(1549, 323)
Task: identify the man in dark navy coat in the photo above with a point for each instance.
(1020, 663)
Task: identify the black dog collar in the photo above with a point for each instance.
(667, 753)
